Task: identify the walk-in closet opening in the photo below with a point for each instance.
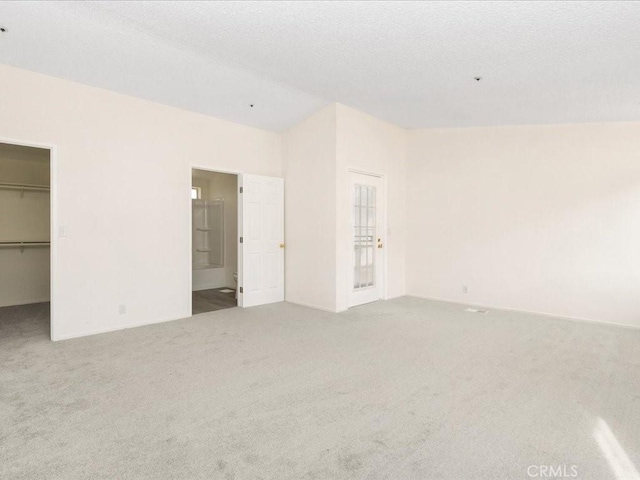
(25, 254)
(214, 230)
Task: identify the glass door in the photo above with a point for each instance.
(366, 239)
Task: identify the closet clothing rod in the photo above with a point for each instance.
(24, 244)
(24, 186)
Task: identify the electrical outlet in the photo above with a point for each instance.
(465, 289)
(122, 309)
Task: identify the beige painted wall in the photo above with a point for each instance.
(224, 186)
(24, 217)
(309, 167)
(532, 218)
(123, 192)
(317, 156)
(365, 143)
(543, 218)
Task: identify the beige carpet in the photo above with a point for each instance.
(404, 389)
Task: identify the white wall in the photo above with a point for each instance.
(543, 219)
(24, 217)
(532, 218)
(123, 191)
(221, 186)
(371, 145)
(318, 154)
(309, 167)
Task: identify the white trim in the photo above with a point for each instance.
(240, 250)
(528, 312)
(190, 227)
(118, 328)
(215, 170)
(316, 307)
(363, 172)
(385, 239)
(53, 226)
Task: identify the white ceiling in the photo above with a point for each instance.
(411, 63)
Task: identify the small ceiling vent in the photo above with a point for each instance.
(475, 310)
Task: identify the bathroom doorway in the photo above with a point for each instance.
(214, 238)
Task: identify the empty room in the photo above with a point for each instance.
(320, 240)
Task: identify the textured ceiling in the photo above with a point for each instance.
(411, 63)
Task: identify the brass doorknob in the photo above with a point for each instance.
(282, 245)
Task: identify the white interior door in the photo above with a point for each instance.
(261, 249)
(366, 194)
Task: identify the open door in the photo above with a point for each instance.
(261, 248)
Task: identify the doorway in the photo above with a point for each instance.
(366, 238)
(214, 234)
(252, 265)
(25, 239)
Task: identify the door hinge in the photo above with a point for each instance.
(241, 189)
(241, 290)
(241, 239)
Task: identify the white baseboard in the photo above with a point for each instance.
(87, 333)
(529, 312)
(315, 307)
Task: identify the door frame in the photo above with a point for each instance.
(53, 224)
(238, 174)
(384, 232)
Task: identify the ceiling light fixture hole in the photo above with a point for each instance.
(477, 79)
(3, 30)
